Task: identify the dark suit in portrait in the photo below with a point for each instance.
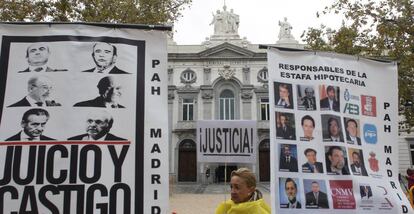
(330, 138)
(286, 132)
(344, 171)
(362, 170)
(17, 137)
(358, 139)
(309, 103)
(48, 69)
(24, 102)
(97, 102)
(295, 205)
(325, 104)
(307, 167)
(288, 164)
(108, 136)
(365, 191)
(313, 202)
(114, 70)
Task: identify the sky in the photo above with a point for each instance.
(258, 19)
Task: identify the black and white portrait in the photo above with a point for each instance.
(39, 90)
(33, 124)
(37, 55)
(306, 98)
(110, 92)
(105, 55)
(97, 125)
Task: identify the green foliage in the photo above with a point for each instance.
(380, 29)
(111, 11)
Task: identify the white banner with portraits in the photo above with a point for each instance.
(334, 130)
(226, 141)
(78, 127)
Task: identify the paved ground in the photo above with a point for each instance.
(203, 198)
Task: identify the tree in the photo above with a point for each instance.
(111, 11)
(382, 29)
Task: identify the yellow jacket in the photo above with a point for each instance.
(250, 207)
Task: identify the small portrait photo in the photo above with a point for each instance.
(37, 56)
(289, 190)
(306, 98)
(312, 165)
(357, 162)
(336, 160)
(288, 161)
(329, 96)
(352, 131)
(285, 126)
(332, 128)
(308, 126)
(315, 194)
(105, 55)
(283, 95)
(365, 191)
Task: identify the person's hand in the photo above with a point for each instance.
(286, 99)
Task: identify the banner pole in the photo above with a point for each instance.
(225, 180)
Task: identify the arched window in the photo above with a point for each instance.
(226, 102)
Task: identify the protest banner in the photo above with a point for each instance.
(334, 131)
(78, 127)
(226, 141)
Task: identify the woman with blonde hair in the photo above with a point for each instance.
(245, 198)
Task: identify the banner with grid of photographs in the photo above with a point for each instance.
(334, 134)
(74, 130)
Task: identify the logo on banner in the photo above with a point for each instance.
(351, 109)
(347, 96)
(369, 105)
(370, 133)
(342, 194)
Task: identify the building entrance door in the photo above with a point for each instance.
(220, 172)
(187, 161)
(264, 160)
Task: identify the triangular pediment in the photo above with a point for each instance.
(226, 50)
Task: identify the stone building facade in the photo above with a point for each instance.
(224, 78)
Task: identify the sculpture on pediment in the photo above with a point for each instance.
(285, 31)
(225, 22)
